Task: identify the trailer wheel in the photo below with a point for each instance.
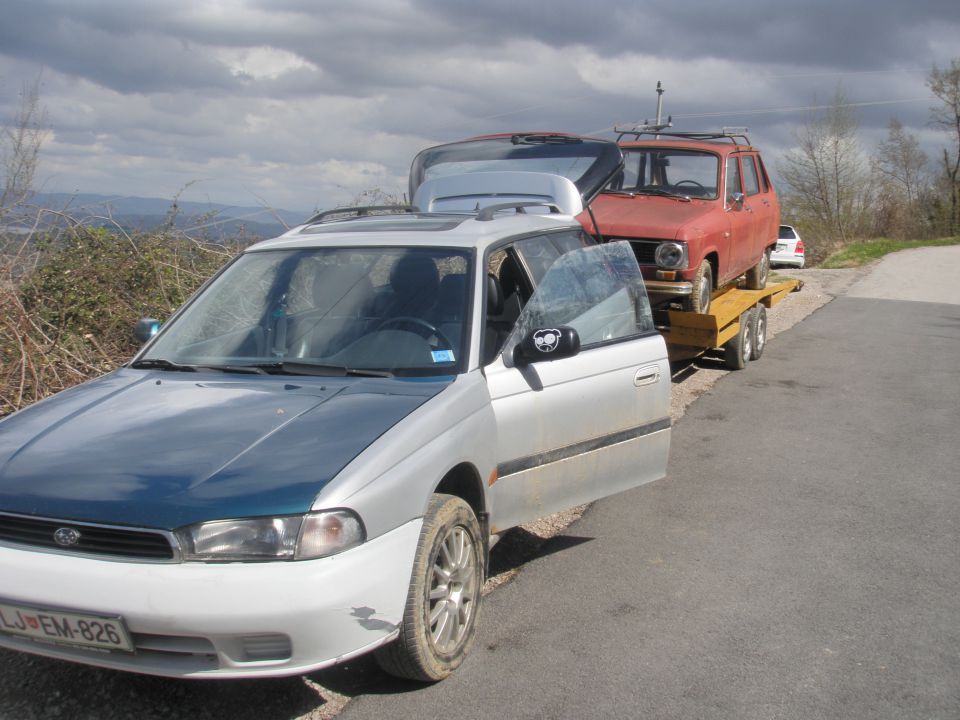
(440, 618)
(758, 331)
(758, 274)
(699, 299)
(739, 349)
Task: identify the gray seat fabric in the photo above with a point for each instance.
(415, 282)
(341, 298)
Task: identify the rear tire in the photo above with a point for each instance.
(699, 300)
(440, 617)
(739, 349)
(758, 331)
(758, 274)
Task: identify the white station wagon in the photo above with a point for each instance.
(310, 460)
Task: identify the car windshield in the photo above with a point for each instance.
(387, 310)
(668, 171)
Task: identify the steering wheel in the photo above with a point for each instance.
(692, 182)
(419, 325)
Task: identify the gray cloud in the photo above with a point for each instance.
(315, 101)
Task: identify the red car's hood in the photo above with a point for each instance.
(650, 216)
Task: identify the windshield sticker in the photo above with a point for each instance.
(440, 356)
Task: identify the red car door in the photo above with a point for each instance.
(741, 251)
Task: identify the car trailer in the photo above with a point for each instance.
(737, 323)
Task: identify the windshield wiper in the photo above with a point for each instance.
(248, 369)
(545, 139)
(162, 364)
(662, 192)
(307, 368)
(626, 193)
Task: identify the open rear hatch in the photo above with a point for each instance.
(566, 171)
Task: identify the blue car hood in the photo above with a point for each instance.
(163, 449)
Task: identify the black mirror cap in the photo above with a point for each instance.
(146, 328)
(547, 344)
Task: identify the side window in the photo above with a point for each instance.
(542, 251)
(750, 179)
(510, 285)
(733, 177)
(763, 175)
(596, 290)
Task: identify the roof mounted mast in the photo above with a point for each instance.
(659, 104)
(648, 128)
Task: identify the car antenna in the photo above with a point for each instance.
(648, 128)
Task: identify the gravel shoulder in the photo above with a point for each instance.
(32, 688)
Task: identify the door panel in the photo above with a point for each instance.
(578, 428)
(741, 225)
(574, 430)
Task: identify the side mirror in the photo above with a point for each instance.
(146, 328)
(736, 200)
(547, 344)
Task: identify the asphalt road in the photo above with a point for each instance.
(801, 560)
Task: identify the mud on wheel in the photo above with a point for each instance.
(440, 616)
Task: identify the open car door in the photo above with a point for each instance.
(593, 422)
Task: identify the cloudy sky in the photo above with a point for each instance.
(306, 103)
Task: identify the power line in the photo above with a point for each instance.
(790, 108)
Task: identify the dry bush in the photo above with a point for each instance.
(69, 298)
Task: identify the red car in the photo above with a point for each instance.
(699, 210)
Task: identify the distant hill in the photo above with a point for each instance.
(200, 218)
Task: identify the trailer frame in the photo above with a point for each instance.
(689, 334)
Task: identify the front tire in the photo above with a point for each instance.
(440, 617)
(699, 300)
(758, 274)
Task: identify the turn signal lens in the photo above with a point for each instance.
(327, 533)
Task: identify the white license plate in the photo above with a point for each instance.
(92, 631)
(781, 246)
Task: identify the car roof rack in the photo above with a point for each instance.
(730, 133)
(348, 213)
(490, 211)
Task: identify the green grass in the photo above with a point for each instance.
(861, 252)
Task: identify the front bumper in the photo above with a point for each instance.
(669, 287)
(196, 620)
(785, 258)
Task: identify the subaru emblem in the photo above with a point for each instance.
(66, 536)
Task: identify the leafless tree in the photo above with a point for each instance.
(20, 144)
(826, 176)
(900, 166)
(900, 160)
(945, 85)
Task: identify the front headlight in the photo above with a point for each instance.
(295, 537)
(671, 255)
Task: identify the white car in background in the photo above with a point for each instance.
(789, 250)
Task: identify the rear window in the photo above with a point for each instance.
(787, 233)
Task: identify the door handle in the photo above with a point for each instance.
(647, 376)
